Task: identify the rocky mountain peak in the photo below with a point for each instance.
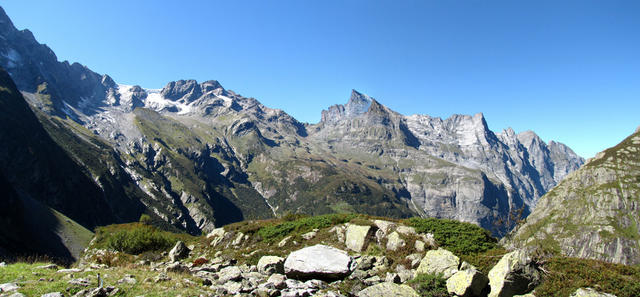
(358, 104)
(6, 25)
(183, 90)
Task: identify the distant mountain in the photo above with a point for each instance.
(196, 156)
(594, 212)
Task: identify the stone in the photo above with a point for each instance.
(394, 241)
(467, 283)
(372, 280)
(271, 264)
(17, 294)
(277, 280)
(176, 267)
(238, 240)
(384, 226)
(386, 290)
(232, 287)
(284, 241)
(52, 294)
(358, 236)
(310, 235)
(98, 292)
(406, 230)
(414, 259)
(429, 240)
(71, 270)
(231, 273)
(514, 274)
(589, 292)
(419, 246)
(8, 287)
(404, 273)
(318, 261)
(128, 279)
(339, 231)
(179, 252)
(393, 278)
(49, 266)
(439, 261)
(80, 282)
(216, 236)
(162, 277)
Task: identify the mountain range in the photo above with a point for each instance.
(194, 156)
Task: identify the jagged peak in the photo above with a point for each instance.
(358, 103)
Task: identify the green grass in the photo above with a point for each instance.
(455, 236)
(566, 275)
(136, 238)
(301, 225)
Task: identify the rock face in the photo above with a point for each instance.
(318, 261)
(593, 213)
(514, 274)
(358, 236)
(386, 290)
(439, 261)
(467, 283)
(179, 252)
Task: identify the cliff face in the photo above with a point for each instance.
(594, 212)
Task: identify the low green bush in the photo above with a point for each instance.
(135, 238)
(301, 225)
(432, 285)
(565, 275)
(455, 236)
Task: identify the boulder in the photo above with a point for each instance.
(179, 252)
(318, 261)
(17, 294)
(277, 280)
(218, 232)
(176, 267)
(358, 236)
(589, 292)
(384, 226)
(52, 294)
(394, 241)
(386, 290)
(48, 266)
(419, 246)
(514, 274)
(8, 287)
(439, 261)
(406, 230)
(467, 283)
(231, 273)
(271, 264)
(309, 235)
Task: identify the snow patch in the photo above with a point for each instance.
(156, 101)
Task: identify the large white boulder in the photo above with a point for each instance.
(358, 236)
(318, 261)
(439, 261)
(514, 274)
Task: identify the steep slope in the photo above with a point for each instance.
(593, 213)
(36, 174)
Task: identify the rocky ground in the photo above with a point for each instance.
(363, 257)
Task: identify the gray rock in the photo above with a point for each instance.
(589, 292)
(394, 241)
(384, 226)
(232, 287)
(406, 230)
(8, 287)
(71, 270)
(439, 261)
(3, 264)
(419, 246)
(128, 279)
(357, 237)
(414, 259)
(179, 252)
(467, 283)
(393, 278)
(231, 273)
(48, 266)
(284, 241)
(514, 274)
(277, 280)
(318, 261)
(52, 294)
(16, 294)
(176, 267)
(386, 290)
(372, 280)
(309, 235)
(271, 264)
(80, 282)
(162, 277)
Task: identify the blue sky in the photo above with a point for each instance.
(568, 70)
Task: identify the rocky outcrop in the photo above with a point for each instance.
(179, 252)
(271, 264)
(439, 261)
(318, 261)
(514, 274)
(467, 283)
(357, 237)
(593, 212)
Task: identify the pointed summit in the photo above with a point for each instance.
(358, 104)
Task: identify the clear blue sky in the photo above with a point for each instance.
(569, 70)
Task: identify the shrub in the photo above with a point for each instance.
(433, 285)
(566, 275)
(134, 238)
(145, 219)
(455, 236)
(302, 224)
